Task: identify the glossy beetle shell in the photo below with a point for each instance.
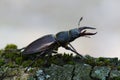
(40, 44)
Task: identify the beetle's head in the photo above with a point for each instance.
(84, 33)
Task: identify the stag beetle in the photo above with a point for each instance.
(49, 44)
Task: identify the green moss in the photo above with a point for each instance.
(116, 78)
(56, 59)
(11, 65)
(1, 52)
(71, 62)
(118, 67)
(10, 55)
(14, 72)
(39, 63)
(61, 59)
(10, 46)
(18, 60)
(107, 62)
(67, 57)
(90, 60)
(100, 63)
(10, 52)
(2, 62)
(101, 59)
(26, 63)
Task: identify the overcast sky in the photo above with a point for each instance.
(23, 21)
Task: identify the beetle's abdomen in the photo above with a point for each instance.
(40, 44)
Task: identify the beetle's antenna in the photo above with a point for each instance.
(80, 21)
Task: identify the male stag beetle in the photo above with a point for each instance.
(48, 44)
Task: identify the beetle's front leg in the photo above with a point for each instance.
(73, 50)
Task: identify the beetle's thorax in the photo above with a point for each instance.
(65, 37)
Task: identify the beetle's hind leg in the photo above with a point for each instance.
(47, 58)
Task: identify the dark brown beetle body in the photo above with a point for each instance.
(40, 45)
(49, 43)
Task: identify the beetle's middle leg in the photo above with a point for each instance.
(47, 57)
